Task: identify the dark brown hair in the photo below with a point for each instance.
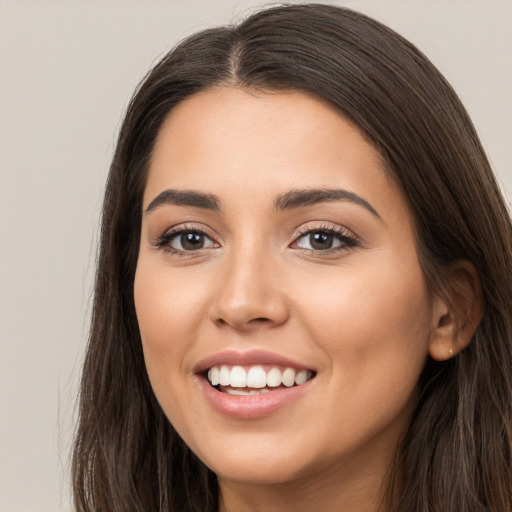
(456, 455)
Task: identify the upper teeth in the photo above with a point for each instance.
(256, 376)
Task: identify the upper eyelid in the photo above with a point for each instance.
(334, 228)
(184, 228)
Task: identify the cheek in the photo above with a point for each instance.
(167, 313)
(373, 328)
(167, 308)
(373, 323)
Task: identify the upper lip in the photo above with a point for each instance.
(247, 358)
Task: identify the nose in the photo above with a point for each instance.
(250, 295)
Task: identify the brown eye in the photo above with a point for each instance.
(321, 241)
(190, 241)
(325, 240)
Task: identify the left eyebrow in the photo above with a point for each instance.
(307, 197)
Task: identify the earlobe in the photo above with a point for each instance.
(457, 314)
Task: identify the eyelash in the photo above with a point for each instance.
(348, 240)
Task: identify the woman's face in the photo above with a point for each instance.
(274, 245)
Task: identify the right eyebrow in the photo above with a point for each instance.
(184, 198)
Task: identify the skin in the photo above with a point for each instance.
(360, 315)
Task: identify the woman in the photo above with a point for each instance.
(303, 291)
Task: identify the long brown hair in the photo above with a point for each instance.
(457, 453)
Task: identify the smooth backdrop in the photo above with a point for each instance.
(67, 70)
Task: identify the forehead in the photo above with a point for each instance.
(230, 141)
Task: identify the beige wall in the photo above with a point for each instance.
(67, 70)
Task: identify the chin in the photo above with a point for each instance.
(258, 461)
(257, 472)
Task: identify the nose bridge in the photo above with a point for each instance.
(248, 292)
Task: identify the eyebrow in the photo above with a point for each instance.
(185, 198)
(288, 201)
(307, 197)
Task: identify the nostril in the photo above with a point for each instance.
(221, 322)
(253, 321)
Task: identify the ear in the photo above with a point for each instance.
(457, 313)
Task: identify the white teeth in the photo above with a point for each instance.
(256, 377)
(213, 376)
(224, 377)
(238, 377)
(274, 378)
(240, 392)
(243, 392)
(288, 377)
(302, 377)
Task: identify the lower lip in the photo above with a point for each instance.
(248, 407)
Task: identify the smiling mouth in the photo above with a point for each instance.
(255, 380)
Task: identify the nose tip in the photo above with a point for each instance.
(249, 298)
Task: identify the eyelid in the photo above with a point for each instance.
(308, 227)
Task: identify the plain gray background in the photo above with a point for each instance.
(67, 70)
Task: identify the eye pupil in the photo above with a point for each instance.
(321, 240)
(191, 241)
